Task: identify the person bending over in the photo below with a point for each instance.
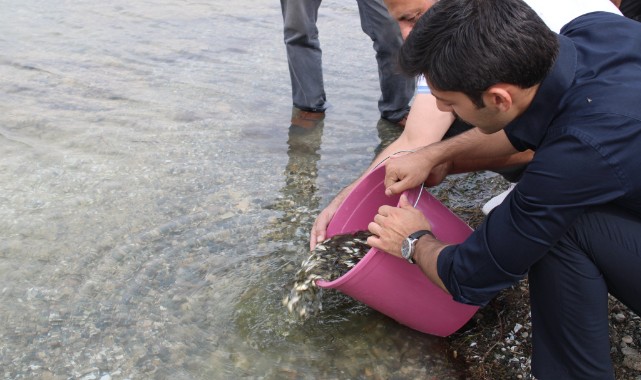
(572, 225)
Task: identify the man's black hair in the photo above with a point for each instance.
(469, 45)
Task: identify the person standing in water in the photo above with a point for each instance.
(304, 57)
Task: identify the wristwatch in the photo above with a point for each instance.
(407, 249)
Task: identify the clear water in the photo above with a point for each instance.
(154, 204)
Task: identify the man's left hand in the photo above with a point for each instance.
(393, 224)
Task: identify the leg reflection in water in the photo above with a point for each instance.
(298, 199)
(387, 132)
(284, 245)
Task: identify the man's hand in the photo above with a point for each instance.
(393, 224)
(403, 173)
(409, 171)
(319, 229)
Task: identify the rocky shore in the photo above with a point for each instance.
(496, 343)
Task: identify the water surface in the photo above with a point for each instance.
(155, 205)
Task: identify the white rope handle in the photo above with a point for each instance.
(392, 155)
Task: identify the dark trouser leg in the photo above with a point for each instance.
(304, 53)
(397, 89)
(631, 9)
(569, 294)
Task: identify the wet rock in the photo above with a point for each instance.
(632, 358)
(619, 317)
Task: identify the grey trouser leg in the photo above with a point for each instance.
(304, 53)
(397, 89)
(305, 63)
(569, 288)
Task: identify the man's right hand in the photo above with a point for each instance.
(407, 172)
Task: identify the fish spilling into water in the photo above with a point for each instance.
(328, 261)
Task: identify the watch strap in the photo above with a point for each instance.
(413, 238)
(420, 233)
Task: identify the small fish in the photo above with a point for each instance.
(328, 261)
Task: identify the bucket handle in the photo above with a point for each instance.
(418, 198)
(391, 155)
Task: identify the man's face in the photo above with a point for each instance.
(407, 12)
(487, 119)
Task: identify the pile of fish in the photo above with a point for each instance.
(328, 261)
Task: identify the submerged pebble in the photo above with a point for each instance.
(328, 261)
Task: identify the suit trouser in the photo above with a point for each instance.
(305, 61)
(631, 9)
(569, 288)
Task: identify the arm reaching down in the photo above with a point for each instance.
(467, 152)
(425, 125)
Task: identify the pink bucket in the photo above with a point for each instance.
(390, 284)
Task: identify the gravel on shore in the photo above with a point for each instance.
(496, 343)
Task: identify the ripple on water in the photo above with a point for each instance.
(154, 204)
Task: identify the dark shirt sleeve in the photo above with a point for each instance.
(567, 175)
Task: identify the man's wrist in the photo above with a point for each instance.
(427, 250)
(435, 154)
(424, 246)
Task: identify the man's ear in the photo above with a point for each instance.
(499, 97)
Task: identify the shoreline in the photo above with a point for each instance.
(496, 342)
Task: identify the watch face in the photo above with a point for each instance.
(405, 249)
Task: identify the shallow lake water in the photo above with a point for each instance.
(155, 205)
